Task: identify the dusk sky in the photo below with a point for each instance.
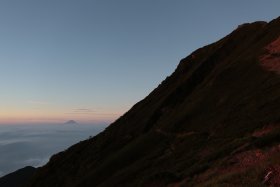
(91, 60)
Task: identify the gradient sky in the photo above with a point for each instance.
(91, 60)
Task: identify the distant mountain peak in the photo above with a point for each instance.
(71, 122)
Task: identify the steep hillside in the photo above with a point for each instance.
(17, 178)
(214, 121)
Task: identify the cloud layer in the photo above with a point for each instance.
(25, 145)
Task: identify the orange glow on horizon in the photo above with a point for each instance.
(16, 116)
(52, 120)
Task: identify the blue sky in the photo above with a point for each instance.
(91, 60)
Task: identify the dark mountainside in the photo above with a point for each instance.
(17, 178)
(215, 121)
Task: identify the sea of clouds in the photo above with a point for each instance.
(33, 145)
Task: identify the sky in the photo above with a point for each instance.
(92, 60)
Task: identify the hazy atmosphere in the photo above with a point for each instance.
(29, 145)
(91, 60)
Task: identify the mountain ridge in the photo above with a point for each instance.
(191, 127)
(17, 178)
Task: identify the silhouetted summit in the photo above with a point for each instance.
(71, 122)
(214, 121)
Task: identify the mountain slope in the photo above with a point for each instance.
(17, 178)
(218, 109)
